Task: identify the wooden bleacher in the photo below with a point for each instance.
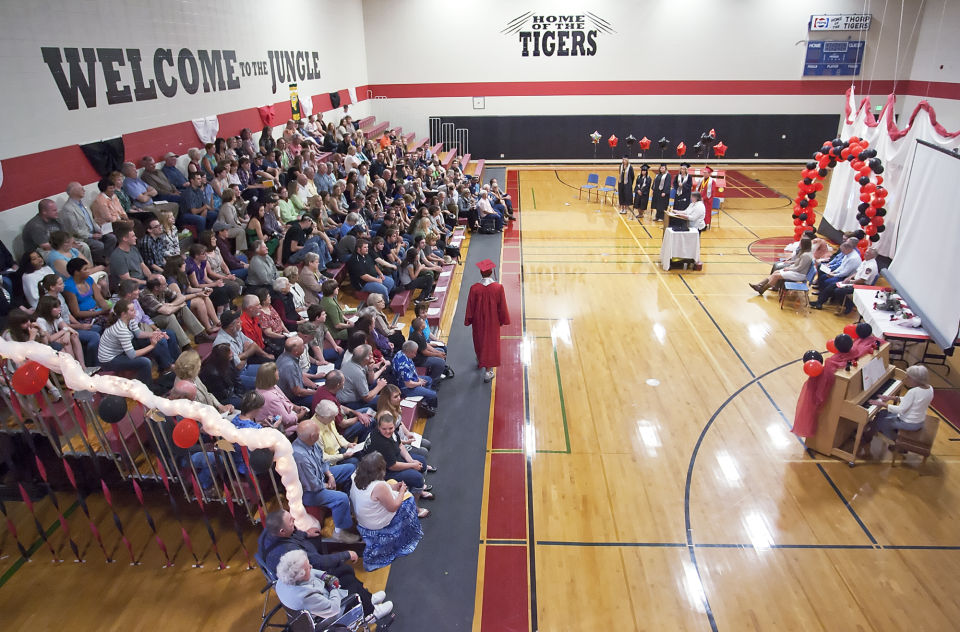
(477, 169)
(417, 144)
(366, 123)
(436, 149)
(408, 138)
(447, 159)
(464, 161)
(377, 131)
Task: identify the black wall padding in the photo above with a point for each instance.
(567, 137)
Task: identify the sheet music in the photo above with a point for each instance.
(872, 372)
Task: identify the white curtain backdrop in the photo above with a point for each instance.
(207, 128)
(927, 240)
(895, 147)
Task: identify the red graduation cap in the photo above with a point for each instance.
(486, 265)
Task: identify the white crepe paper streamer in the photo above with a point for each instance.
(208, 417)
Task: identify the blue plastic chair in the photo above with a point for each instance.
(803, 288)
(593, 181)
(716, 210)
(609, 186)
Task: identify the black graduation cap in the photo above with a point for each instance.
(685, 164)
(644, 167)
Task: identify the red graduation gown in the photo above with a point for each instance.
(487, 312)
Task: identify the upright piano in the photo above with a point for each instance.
(847, 410)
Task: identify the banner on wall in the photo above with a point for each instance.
(294, 102)
(122, 75)
(550, 35)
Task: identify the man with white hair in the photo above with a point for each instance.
(865, 274)
(323, 179)
(320, 480)
(281, 536)
(487, 212)
(142, 194)
(412, 384)
(77, 220)
(840, 267)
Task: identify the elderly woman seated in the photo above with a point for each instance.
(277, 410)
(795, 270)
(387, 515)
(908, 412)
(187, 369)
(302, 587)
(336, 449)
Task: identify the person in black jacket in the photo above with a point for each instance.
(641, 192)
(683, 184)
(625, 185)
(221, 377)
(661, 192)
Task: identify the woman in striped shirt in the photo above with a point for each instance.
(116, 351)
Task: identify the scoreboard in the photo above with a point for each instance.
(832, 58)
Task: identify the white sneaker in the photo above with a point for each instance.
(345, 536)
(378, 597)
(382, 609)
(488, 375)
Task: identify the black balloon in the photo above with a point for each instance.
(812, 164)
(804, 203)
(813, 354)
(112, 409)
(833, 163)
(881, 228)
(843, 342)
(631, 139)
(663, 142)
(863, 180)
(837, 142)
(823, 173)
(864, 221)
(863, 206)
(860, 234)
(874, 238)
(881, 212)
(803, 217)
(864, 330)
(862, 155)
(874, 163)
(871, 153)
(812, 195)
(878, 169)
(808, 180)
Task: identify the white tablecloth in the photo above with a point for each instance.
(679, 245)
(864, 298)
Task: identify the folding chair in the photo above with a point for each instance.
(593, 181)
(798, 286)
(609, 186)
(715, 211)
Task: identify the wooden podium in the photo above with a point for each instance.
(846, 411)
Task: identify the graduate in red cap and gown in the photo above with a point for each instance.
(486, 313)
(707, 187)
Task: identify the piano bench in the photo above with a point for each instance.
(917, 441)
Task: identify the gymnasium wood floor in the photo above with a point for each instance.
(665, 491)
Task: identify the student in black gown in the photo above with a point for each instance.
(641, 192)
(625, 185)
(661, 192)
(683, 184)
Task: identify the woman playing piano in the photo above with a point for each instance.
(908, 412)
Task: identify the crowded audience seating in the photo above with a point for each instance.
(201, 253)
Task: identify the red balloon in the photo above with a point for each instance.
(864, 144)
(851, 330)
(681, 149)
(831, 346)
(863, 244)
(869, 187)
(644, 143)
(876, 221)
(612, 141)
(30, 378)
(719, 150)
(881, 192)
(866, 172)
(818, 186)
(855, 140)
(812, 368)
(812, 204)
(871, 212)
(818, 156)
(797, 222)
(879, 179)
(186, 433)
(877, 202)
(857, 165)
(870, 229)
(845, 153)
(865, 197)
(811, 219)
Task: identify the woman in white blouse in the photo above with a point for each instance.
(908, 412)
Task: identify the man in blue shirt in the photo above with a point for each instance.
(840, 267)
(320, 480)
(142, 194)
(174, 175)
(197, 212)
(411, 384)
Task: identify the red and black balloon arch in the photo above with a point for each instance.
(867, 169)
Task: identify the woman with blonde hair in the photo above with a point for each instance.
(187, 368)
(230, 215)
